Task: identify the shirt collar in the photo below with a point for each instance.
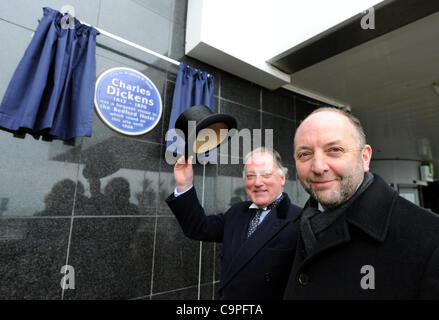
(254, 206)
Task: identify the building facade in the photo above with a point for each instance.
(54, 224)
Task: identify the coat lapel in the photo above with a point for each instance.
(334, 236)
(269, 227)
(363, 214)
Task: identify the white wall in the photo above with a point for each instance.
(247, 33)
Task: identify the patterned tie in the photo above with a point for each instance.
(254, 223)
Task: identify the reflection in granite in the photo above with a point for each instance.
(32, 176)
(32, 252)
(59, 201)
(112, 258)
(176, 257)
(120, 176)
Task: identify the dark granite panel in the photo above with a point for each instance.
(218, 260)
(230, 186)
(245, 137)
(231, 170)
(38, 177)
(207, 262)
(304, 106)
(206, 181)
(180, 294)
(112, 258)
(216, 286)
(32, 252)
(176, 257)
(207, 292)
(166, 187)
(247, 118)
(167, 108)
(291, 184)
(278, 102)
(283, 135)
(292, 174)
(240, 91)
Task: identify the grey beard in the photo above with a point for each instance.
(347, 189)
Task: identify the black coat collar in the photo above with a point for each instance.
(372, 210)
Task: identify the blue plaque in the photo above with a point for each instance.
(127, 101)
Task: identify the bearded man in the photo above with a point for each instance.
(358, 239)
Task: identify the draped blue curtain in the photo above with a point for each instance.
(192, 87)
(51, 92)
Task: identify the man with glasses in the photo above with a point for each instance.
(258, 236)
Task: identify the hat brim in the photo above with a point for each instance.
(221, 124)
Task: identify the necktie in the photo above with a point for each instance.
(255, 221)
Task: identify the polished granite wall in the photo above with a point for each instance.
(129, 246)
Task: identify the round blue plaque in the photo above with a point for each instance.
(127, 101)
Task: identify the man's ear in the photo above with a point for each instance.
(366, 155)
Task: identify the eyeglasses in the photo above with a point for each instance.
(252, 175)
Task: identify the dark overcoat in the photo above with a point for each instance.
(384, 247)
(253, 268)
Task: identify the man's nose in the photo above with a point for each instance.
(319, 164)
(258, 180)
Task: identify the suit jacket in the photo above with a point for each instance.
(253, 268)
(384, 247)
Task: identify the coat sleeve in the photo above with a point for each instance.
(193, 220)
(430, 280)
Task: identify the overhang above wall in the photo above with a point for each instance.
(240, 37)
(202, 44)
(388, 16)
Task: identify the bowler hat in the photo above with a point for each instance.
(204, 119)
